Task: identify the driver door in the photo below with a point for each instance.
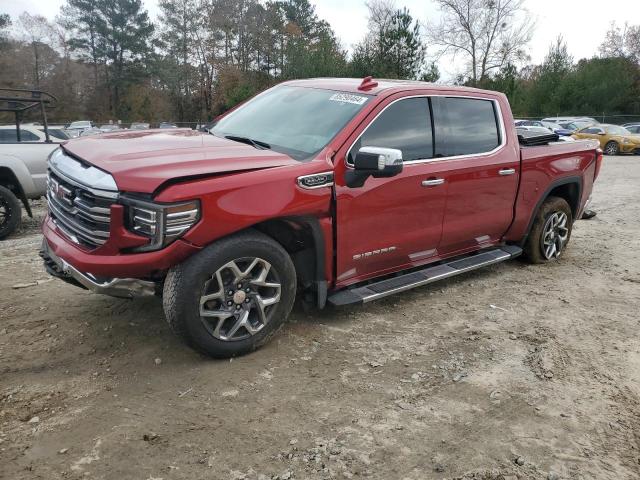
(393, 223)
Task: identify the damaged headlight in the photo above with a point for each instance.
(161, 222)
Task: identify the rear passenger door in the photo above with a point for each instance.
(481, 171)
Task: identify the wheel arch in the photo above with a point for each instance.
(8, 179)
(568, 188)
(303, 239)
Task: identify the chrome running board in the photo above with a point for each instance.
(430, 274)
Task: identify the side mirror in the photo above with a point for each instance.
(376, 162)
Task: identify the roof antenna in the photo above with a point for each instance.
(367, 83)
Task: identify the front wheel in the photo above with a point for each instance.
(550, 232)
(231, 297)
(10, 212)
(611, 148)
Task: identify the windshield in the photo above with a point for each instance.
(616, 130)
(297, 121)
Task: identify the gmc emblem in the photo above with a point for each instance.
(62, 193)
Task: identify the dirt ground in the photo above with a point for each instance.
(515, 371)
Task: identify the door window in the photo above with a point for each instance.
(464, 126)
(404, 125)
(8, 135)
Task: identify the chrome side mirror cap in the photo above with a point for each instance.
(386, 157)
(377, 162)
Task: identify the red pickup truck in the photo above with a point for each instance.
(340, 191)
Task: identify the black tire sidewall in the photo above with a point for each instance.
(533, 248)
(14, 206)
(188, 279)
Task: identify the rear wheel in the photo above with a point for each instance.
(10, 212)
(611, 148)
(550, 232)
(230, 298)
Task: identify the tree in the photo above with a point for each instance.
(115, 33)
(80, 18)
(37, 31)
(622, 42)
(5, 23)
(488, 34)
(179, 39)
(392, 47)
(547, 92)
(401, 48)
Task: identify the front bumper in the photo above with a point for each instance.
(629, 148)
(105, 263)
(115, 287)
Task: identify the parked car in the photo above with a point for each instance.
(542, 131)
(613, 139)
(531, 128)
(109, 127)
(91, 131)
(139, 126)
(331, 188)
(554, 127)
(167, 125)
(633, 127)
(586, 120)
(23, 156)
(75, 129)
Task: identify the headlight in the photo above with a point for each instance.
(161, 222)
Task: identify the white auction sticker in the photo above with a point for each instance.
(346, 98)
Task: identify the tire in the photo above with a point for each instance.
(538, 247)
(10, 212)
(205, 298)
(611, 148)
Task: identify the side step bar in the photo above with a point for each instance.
(430, 274)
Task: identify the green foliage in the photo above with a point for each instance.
(608, 85)
(393, 48)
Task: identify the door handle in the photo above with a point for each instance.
(432, 182)
(507, 171)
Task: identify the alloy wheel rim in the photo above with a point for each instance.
(610, 149)
(238, 300)
(5, 212)
(555, 234)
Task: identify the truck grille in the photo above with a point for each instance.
(79, 212)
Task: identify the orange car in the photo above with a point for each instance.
(613, 139)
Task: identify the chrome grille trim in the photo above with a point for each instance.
(82, 214)
(107, 194)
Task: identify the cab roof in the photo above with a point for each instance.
(375, 86)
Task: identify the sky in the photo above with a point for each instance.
(582, 23)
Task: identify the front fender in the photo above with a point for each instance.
(22, 175)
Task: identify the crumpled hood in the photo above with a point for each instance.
(141, 161)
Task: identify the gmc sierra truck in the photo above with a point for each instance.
(340, 191)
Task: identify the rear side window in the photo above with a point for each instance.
(8, 135)
(56, 132)
(464, 126)
(405, 125)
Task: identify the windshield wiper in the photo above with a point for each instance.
(249, 141)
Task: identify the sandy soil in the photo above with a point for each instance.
(515, 371)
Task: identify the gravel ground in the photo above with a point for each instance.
(515, 371)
